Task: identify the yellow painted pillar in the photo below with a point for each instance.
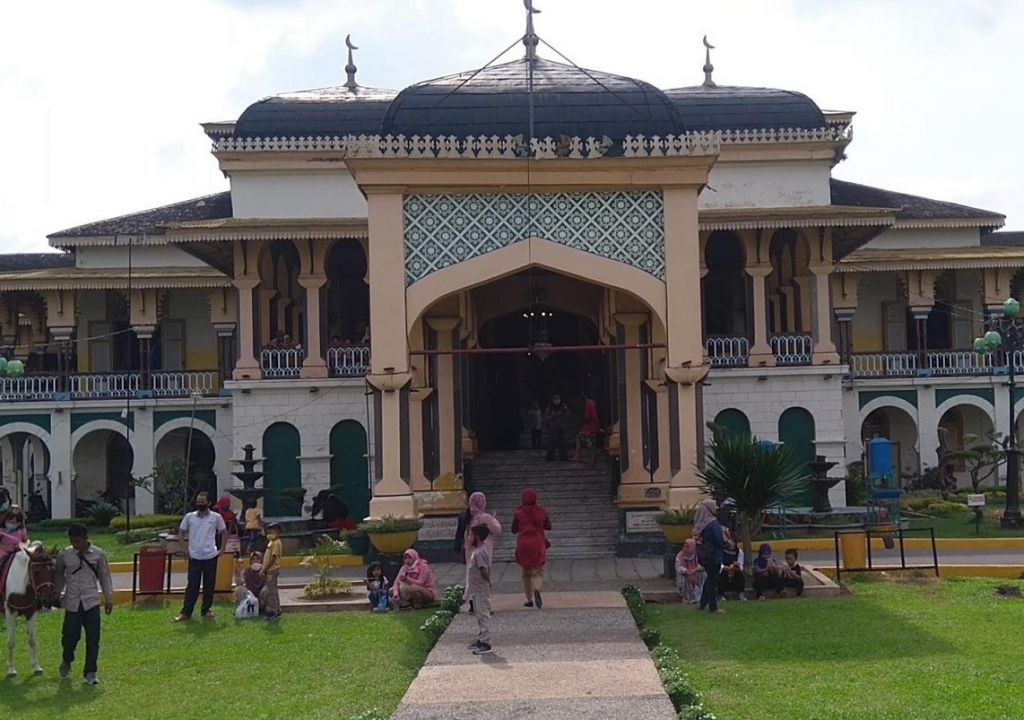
(761, 351)
(313, 365)
(417, 480)
(635, 473)
(664, 473)
(266, 295)
(389, 348)
(824, 348)
(444, 327)
(247, 280)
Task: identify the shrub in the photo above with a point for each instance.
(62, 523)
(635, 603)
(682, 515)
(147, 521)
(139, 535)
(390, 524)
(856, 485)
(943, 509)
(451, 599)
(101, 513)
(651, 637)
(436, 624)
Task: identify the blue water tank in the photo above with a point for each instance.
(880, 457)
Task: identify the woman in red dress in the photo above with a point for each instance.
(529, 523)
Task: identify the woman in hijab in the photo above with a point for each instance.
(708, 533)
(529, 523)
(415, 583)
(766, 572)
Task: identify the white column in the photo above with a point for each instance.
(62, 501)
(141, 437)
(761, 352)
(824, 349)
(927, 427)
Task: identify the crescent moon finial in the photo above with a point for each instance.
(350, 68)
(708, 67)
(350, 46)
(530, 39)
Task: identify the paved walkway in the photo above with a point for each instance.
(548, 664)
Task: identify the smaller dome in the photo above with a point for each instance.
(567, 101)
(745, 108)
(324, 112)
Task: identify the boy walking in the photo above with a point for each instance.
(79, 568)
(478, 589)
(270, 599)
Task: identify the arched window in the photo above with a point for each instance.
(733, 421)
(349, 468)
(281, 468)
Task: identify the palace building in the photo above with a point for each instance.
(395, 276)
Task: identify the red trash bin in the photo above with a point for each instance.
(152, 567)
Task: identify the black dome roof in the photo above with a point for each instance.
(744, 108)
(324, 112)
(567, 101)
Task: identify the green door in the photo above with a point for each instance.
(349, 469)
(796, 431)
(733, 421)
(280, 468)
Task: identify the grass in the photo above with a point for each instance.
(116, 552)
(908, 651)
(961, 526)
(305, 666)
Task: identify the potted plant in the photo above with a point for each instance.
(677, 524)
(391, 535)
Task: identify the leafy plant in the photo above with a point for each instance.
(856, 485)
(147, 521)
(323, 584)
(134, 535)
(451, 598)
(980, 456)
(390, 524)
(636, 604)
(942, 508)
(64, 523)
(101, 513)
(436, 624)
(651, 637)
(682, 515)
(170, 487)
(755, 475)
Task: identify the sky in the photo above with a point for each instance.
(100, 102)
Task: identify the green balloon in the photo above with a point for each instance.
(993, 339)
(15, 368)
(3, 366)
(980, 346)
(1011, 308)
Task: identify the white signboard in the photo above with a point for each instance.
(438, 528)
(976, 500)
(642, 521)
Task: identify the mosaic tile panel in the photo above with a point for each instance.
(442, 230)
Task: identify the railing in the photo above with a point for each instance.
(727, 351)
(281, 362)
(791, 349)
(103, 385)
(29, 387)
(349, 360)
(183, 383)
(959, 362)
(901, 364)
(1018, 361)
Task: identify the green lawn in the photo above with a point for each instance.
(961, 526)
(925, 651)
(305, 666)
(116, 552)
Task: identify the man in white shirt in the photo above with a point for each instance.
(201, 528)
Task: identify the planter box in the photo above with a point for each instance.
(677, 534)
(393, 543)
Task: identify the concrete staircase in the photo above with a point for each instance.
(578, 497)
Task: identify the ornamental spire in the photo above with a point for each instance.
(350, 69)
(708, 67)
(530, 39)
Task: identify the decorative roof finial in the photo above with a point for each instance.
(530, 39)
(708, 67)
(350, 69)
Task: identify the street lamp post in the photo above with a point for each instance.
(1007, 332)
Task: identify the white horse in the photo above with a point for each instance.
(30, 586)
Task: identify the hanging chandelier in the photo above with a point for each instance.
(538, 314)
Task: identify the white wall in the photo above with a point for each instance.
(931, 238)
(296, 195)
(780, 184)
(143, 256)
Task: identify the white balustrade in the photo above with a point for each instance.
(959, 362)
(184, 383)
(727, 351)
(281, 362)
(349, 360)
(28, 387)
(792, 349)
(883, 364)
(1018, 361)
(104, 385)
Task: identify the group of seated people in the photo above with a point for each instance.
(282, 341)
(768, 575)
(338, 341)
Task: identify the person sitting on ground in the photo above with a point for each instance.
(689, 574)
(378, 586)
(732, 581)
(766, 572)
(792, 572)
(253, 579)
(415, 583)
(271, 599)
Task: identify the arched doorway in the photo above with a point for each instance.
(899, 428)
(281, 469)
(174, 454)
(24, 468)
(733, 422)
(102, 468)
(349, 467)
(966, 439)
(796, 432)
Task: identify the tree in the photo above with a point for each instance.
(755, 474)
(980, 456)
(169, 485)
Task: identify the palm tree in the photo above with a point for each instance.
(755, 474)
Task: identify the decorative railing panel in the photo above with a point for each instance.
(959, 362)
(103, 385)
(184, 383)
(727, 351)
(792, 349)
(348, 360)
(28, 387)
(897, 364)
(281, 362)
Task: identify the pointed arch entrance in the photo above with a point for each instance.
(281, 469)
(349, 467)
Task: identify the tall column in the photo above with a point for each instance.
(761, 354)
(417, 480)
(824, 349)
(62, 501)
(313, 365)
(445, 387)
(664, 472)
(632, 461)
(927, 427)
(141, 437)
(389, 349)
(248, 365)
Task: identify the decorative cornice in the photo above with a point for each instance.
(796, 217)
(996, 221)
(969, 258)
(234, 229)
(148, 279)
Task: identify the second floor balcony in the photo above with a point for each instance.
(43, 387)
(277, 363)
(932, 363)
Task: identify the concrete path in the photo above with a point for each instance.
(580, 657)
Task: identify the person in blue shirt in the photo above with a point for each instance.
(711, 546)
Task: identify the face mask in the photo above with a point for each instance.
(257, 566)
(203, 508)
(12, 526)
